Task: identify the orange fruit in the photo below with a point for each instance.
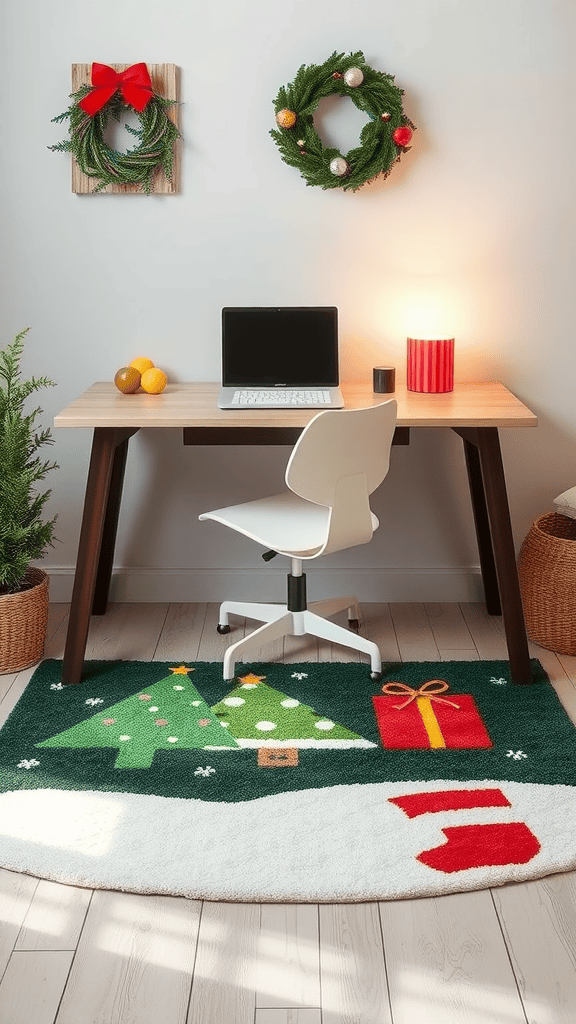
(142, 363)
(153, 380)
(127, 380)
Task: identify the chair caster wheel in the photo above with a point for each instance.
(222, 629)
(354, 624)
(376, 676)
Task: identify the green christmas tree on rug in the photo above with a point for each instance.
(169, 715)
(257, 715)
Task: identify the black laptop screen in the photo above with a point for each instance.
(295, 345)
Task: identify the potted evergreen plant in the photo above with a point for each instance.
(24, 534)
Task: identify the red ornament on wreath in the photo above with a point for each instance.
(402, 135)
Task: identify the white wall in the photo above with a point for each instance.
(478, 223)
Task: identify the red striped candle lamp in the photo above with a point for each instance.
(430, 365)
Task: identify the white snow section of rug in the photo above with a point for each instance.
(339, 844)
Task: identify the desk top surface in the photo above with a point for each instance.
(482, 404)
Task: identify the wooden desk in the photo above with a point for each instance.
(474, 411)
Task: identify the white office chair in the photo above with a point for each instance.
(340, 458)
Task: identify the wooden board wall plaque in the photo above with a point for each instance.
(165, 81)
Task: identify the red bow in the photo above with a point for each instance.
(134, 83)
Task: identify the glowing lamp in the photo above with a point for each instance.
(430, 365)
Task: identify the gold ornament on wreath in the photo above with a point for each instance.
(102, 92)
(383, 140)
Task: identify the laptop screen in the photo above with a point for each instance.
(293, 345)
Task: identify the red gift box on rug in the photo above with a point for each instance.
(425, 720)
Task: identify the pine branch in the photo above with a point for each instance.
(24, 536)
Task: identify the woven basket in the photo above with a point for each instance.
(547, 573)
(23, 620)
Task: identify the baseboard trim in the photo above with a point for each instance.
(192, 585)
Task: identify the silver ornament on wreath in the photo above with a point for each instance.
(353, 77)
(339, 166)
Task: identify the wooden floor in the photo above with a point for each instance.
(502, 956)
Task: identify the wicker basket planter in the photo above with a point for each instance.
(547, 573)
(23, 621)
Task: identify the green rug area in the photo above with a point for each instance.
(179, 731)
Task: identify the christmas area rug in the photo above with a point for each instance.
(304, 782)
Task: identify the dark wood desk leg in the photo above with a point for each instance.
(481, 522)
(490, 455)
(102, 469)
(106, 560)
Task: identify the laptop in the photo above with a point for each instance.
(280, 357)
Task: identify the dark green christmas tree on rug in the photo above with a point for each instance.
(168, 715)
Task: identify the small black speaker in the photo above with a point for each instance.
(384, 378)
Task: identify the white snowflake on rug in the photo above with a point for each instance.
(208, 770)
(28, 763)
(56, 686)
(299, 675)
(94, 700)
(517, 755)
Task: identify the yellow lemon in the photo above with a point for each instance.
(141, 364)
(153, 381)
(127, 380)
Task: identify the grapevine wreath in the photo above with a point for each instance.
(110, 95)
(383, 139)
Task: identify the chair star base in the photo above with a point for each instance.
(279, 622)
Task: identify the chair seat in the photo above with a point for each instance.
(285, 523)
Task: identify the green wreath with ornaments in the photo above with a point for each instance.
(384, 138)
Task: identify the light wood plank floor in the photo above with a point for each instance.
(502, 956)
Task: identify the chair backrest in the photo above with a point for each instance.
(340, 458)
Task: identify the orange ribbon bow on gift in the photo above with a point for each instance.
(134, 83)
(431, 689)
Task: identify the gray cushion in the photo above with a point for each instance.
(565, 503)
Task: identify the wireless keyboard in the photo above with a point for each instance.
(281, 397)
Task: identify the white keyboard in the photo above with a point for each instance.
(281, 397)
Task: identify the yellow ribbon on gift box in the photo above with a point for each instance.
(424, 696)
